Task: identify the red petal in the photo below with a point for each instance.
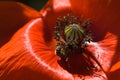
(106, 54)
(28, 56)
(105, 51)
(13, 15)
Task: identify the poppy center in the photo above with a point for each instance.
(72, 35)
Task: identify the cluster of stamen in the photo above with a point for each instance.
(72, 35)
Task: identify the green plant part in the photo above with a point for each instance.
(74, 32)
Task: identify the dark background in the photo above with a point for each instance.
(36, 4)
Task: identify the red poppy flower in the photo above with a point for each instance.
(30, 54)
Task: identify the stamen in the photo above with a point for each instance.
(72, 35)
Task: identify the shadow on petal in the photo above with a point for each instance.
(115, 75)
(13, 15)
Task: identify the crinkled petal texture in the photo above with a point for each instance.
(30, 54)
(13, 15)
(28, 57)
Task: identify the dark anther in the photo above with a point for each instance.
(71, 34)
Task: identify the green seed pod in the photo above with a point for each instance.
(74, 32)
